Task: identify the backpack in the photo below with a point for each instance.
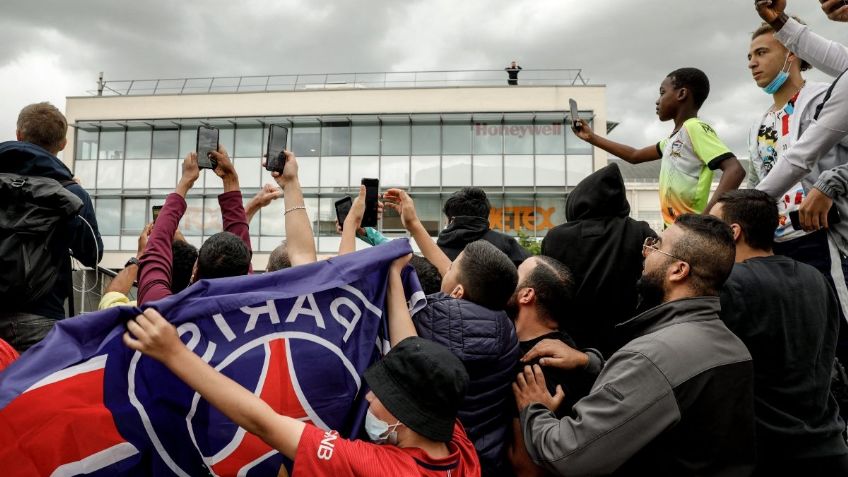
(33, 213)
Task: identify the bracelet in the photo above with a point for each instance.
(297, 207)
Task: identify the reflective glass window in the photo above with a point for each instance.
(108, 212)
(165, 143)
(138, 142)
(335, 139)
(111, 144)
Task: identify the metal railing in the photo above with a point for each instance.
(325, 81)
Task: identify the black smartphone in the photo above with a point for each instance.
(342, 208)
(575, 116)
(156, 210)
(372, 188)
(275, 160)
(207, 141)
(833, 218)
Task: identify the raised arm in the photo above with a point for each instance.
(123, 282)
(299, 237)
(232, 206)
(401, 202)
(400, 321)
(263, 198)
(351, 223)
(152, 335)
(625, 152)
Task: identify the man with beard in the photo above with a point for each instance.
(541, 301)
(678, 398)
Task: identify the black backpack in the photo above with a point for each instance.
(33, 212)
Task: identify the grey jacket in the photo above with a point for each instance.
(822, 148)
(676, 400)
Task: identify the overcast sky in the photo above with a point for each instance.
(54, 49)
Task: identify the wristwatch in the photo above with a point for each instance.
(131, 261)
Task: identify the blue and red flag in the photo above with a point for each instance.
(82, 403)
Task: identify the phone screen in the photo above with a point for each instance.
(277, 138)
(156, 210)
(342, 208)
(575, 116)
(207, 141)
(372, 186)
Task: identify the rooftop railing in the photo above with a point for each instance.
(327, 81)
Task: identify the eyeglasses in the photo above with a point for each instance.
(652, 244)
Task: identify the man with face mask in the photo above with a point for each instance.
(777, 70)
(678, 398)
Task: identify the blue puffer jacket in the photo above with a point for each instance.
(485, 341)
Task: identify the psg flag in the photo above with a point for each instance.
(82, 403)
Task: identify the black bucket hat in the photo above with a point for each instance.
(422, 384)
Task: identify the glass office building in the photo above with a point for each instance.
(525, 157)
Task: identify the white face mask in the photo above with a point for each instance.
(378, 431)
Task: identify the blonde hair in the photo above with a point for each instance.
(44, 125)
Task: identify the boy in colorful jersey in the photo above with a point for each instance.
(415, 393)
(689, 155)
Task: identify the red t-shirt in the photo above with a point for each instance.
(321, 453)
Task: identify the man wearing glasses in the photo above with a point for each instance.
(678, 398)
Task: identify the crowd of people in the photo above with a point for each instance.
(709, 348)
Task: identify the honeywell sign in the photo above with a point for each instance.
(518, 130)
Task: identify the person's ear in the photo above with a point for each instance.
(682, 94)
(457, 292)
(737, 232)
(526, 296)
(62, 144)
(678, 271)
(19, 135)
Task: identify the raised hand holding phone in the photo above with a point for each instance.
(372, 186)
(207, 142)
(275, 154)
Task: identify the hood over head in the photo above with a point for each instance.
(601, 194)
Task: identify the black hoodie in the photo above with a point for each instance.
(30, 160)
(466, 229)
(602, 246)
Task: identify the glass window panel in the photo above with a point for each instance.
(365, 139)
(334, 171)
(226, 136)
(550, 137)
(136, 174)
(394, 171)
(312, 211)
(135, 216)
(111, 242)
(212, 222)
(86, 144)
(111, 144)
(165, 143)
(496, 212)
(456, 171)
(249, 142)
(488, 138)
(518, 171)
(108, 213)
(330, 244)
(426, 171)
(335, 139)
(456, 137)
(550, 212)
(163, 173)
(578, 168)
(272, 221)
(129, 242)
(249, 172)
(109, 174)
(395, 139)
(362, 167)
(327, 220)
(306, 141)
(426, 138)
(138, 143)
(192, 221)
(575, 145)
(188, 140)
(488, 171)
(268, 244)
(550, 171)
(307, 171)
(518, 136)
(86, 172)
(519, 213)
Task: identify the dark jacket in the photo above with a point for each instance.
(30, 160)
(602, 246)
(486, 343)
(466, 229)
(677, 400)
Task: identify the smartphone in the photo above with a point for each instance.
(342, 208)
(575, 116)
(833, 218)
(277, 137)
(207, 141)
(372, 186)
(156, 210)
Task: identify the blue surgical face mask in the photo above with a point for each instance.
(778, 80)
(380, 432)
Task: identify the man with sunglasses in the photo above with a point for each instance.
(678, 398)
